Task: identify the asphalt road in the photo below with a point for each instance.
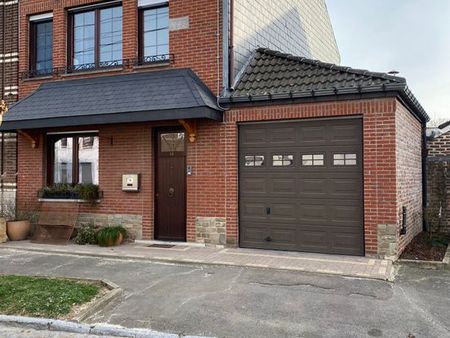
(243, 302)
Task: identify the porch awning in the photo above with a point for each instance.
(137, 97)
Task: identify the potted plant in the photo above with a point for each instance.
(111, 235)
(19, 227)
(87, 192)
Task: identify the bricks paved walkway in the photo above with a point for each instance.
(294, 261)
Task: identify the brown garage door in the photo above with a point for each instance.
(300, 186)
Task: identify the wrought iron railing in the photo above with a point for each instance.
(154, 59)
(91, 67)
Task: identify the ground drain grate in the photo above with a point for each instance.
(162, 246)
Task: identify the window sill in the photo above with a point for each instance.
(67, 200)
(93, 71)
(38, 78)
(152, 65)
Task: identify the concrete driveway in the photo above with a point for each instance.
(250, 302)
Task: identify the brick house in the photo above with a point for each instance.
(9, 77)
(146, 99)
(438, 175)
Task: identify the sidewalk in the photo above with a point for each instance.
(292, 261)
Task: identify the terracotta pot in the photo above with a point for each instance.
(18, 230)
(117, 242)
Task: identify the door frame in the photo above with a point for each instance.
(156, 132)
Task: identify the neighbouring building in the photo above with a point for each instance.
(187, 142)
(298, 27)
(438, 173)
(9, 78)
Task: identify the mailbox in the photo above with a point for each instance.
(130, 182)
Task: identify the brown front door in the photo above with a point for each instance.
(170, 192)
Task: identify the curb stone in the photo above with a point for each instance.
(446, 259)
(94, 329)
(113, 296)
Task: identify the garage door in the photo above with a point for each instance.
(300, 186)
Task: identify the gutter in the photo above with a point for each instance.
(388, 90)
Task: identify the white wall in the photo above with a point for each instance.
(299, 27)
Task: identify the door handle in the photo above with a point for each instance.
(268, 211)
(171, 191)
(268, 239)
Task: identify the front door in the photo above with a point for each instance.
(170, 192)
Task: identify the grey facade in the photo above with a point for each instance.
(298, 27)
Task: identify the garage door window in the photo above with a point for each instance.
(282, 160)
(254, 160)
(312, 160)
(344, 159)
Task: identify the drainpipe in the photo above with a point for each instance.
(424, 172)
(225, 43)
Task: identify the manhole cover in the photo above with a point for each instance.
(162, 246)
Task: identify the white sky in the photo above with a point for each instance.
(409, 36)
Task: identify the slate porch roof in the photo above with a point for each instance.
(270, 75)
(137, 97)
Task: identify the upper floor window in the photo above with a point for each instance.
(154, 33)
(96, 38)
(41, 46)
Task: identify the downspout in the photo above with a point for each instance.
(226, 45)
(231, 46)
(424, 172)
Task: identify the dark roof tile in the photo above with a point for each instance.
(271, 72)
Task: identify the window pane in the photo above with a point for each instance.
(344, 159)
(88, 159)
(313, 160)
(254, 161)
(173, 142)
(282, 160)
(62, 165)
(249, 161)
(110, 34)
(43, 47)
(156, 31)
(84, 38)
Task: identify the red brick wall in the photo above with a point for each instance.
(129, 149)
(439, 146)
(212, 190)
(379, 155)
(198, 47)
(409, 173)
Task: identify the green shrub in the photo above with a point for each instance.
(87, 234)
(108, 236)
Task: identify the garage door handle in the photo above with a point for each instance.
(268, 239)
(268, 211)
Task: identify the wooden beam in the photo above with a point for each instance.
(33, 139)
(191, 128)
